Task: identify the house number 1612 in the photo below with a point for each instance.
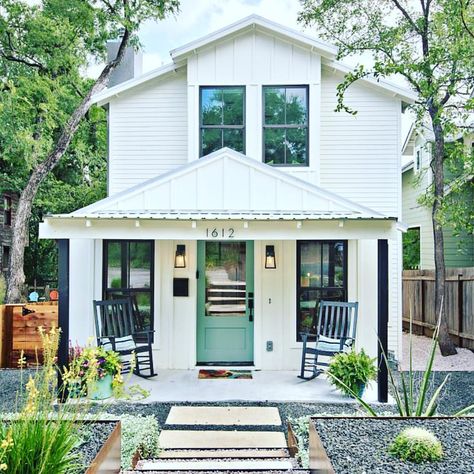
(220, 233)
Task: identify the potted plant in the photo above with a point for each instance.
(351, 371)
(99, 370)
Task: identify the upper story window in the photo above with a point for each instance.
(7, 210)
(285, 125)
(222, 119)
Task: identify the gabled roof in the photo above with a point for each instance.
(225, 185)
(326, 50)
(250, 22)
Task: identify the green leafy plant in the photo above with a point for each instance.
(416, 445)
(350, 371)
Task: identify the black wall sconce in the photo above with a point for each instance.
(270, 260)
(180, 257)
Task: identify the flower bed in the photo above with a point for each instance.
(351, 445)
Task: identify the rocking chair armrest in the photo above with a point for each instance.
(107, 339)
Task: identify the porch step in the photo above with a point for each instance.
(263, 465)
(224, 416)
(223, 453)
(197, 439)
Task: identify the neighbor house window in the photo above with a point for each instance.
(285, 125)
(7, 210)
(411, 249)
(222, 119)
(128, 272)
(6, 258)
(321, 275)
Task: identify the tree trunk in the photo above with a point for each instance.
(16, 278)
(446, 344)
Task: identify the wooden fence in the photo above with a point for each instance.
(19, 330)
(419, 302)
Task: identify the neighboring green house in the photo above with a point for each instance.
(418, 246)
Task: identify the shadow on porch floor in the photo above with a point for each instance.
(266, 385)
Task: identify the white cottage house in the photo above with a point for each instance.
(238, 198)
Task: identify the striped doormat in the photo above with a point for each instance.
(224, 374)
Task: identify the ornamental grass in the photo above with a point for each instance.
(41, 437)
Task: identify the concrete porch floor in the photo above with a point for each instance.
(266, 385)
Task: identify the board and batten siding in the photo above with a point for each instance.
(254, 59)
(147, 132)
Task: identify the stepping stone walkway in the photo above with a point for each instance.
(254, 445)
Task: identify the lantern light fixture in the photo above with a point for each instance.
(180, 257)
(270, 260)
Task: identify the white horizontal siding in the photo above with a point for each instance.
(147, 132)
(360, 155)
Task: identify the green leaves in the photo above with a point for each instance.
(349, 370)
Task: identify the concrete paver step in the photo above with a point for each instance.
(223, 453)
(198, 439)
(224, 416)
(219, 465)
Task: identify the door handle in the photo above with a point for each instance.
(250, 305)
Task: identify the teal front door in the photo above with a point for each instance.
(225, 302)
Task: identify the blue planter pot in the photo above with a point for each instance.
(360, 390)
(100, 389)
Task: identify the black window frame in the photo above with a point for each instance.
(222, 126)
(7, 210)
(286, 126)
(126, 291)
(300, 289)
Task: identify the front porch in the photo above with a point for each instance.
(179, 386)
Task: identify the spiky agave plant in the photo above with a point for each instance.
(410, 401)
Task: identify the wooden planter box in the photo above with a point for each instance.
(320, 460)
(107, 460)
(19, 325)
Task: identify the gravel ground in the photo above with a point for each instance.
(421, 346)
(458, 393)
(360, 446)
(93, 436)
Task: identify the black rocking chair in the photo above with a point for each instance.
(117, 329)
(335, 332)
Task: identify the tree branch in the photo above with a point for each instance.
(407, 16)
(471, 33)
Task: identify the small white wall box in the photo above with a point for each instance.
(180, 286)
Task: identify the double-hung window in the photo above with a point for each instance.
(285, 125)
(222, 119)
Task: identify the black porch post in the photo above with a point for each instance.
(63, 308)
(382, 318)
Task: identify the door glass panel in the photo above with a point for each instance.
(225, 279)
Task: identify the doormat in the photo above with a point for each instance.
(224, 374)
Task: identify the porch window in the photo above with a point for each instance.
(128, 272)
(222, 119)
(285, 125)
(321, 275)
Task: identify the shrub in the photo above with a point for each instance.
(417, 445)
(139, 434)
(348, 371)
